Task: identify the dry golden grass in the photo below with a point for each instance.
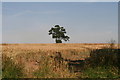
(65, 49)
(33, 56)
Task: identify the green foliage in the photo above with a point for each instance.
(102, 57)
(10, 69)
(102, 63)
(100, 72)
(59, 34)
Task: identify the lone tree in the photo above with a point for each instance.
(59, 34)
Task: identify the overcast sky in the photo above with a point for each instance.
(85, 22)
(60, 0)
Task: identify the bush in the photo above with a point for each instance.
(104, 57)
(10, 69)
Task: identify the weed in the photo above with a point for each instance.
(10, 69)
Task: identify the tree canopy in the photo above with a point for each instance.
(58, 33)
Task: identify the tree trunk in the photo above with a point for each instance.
(58, 41)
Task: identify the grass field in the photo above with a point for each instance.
(38, 60)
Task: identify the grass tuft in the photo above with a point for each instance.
(10, 69)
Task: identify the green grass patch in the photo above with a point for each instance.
(100, 72)
(10, 69)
